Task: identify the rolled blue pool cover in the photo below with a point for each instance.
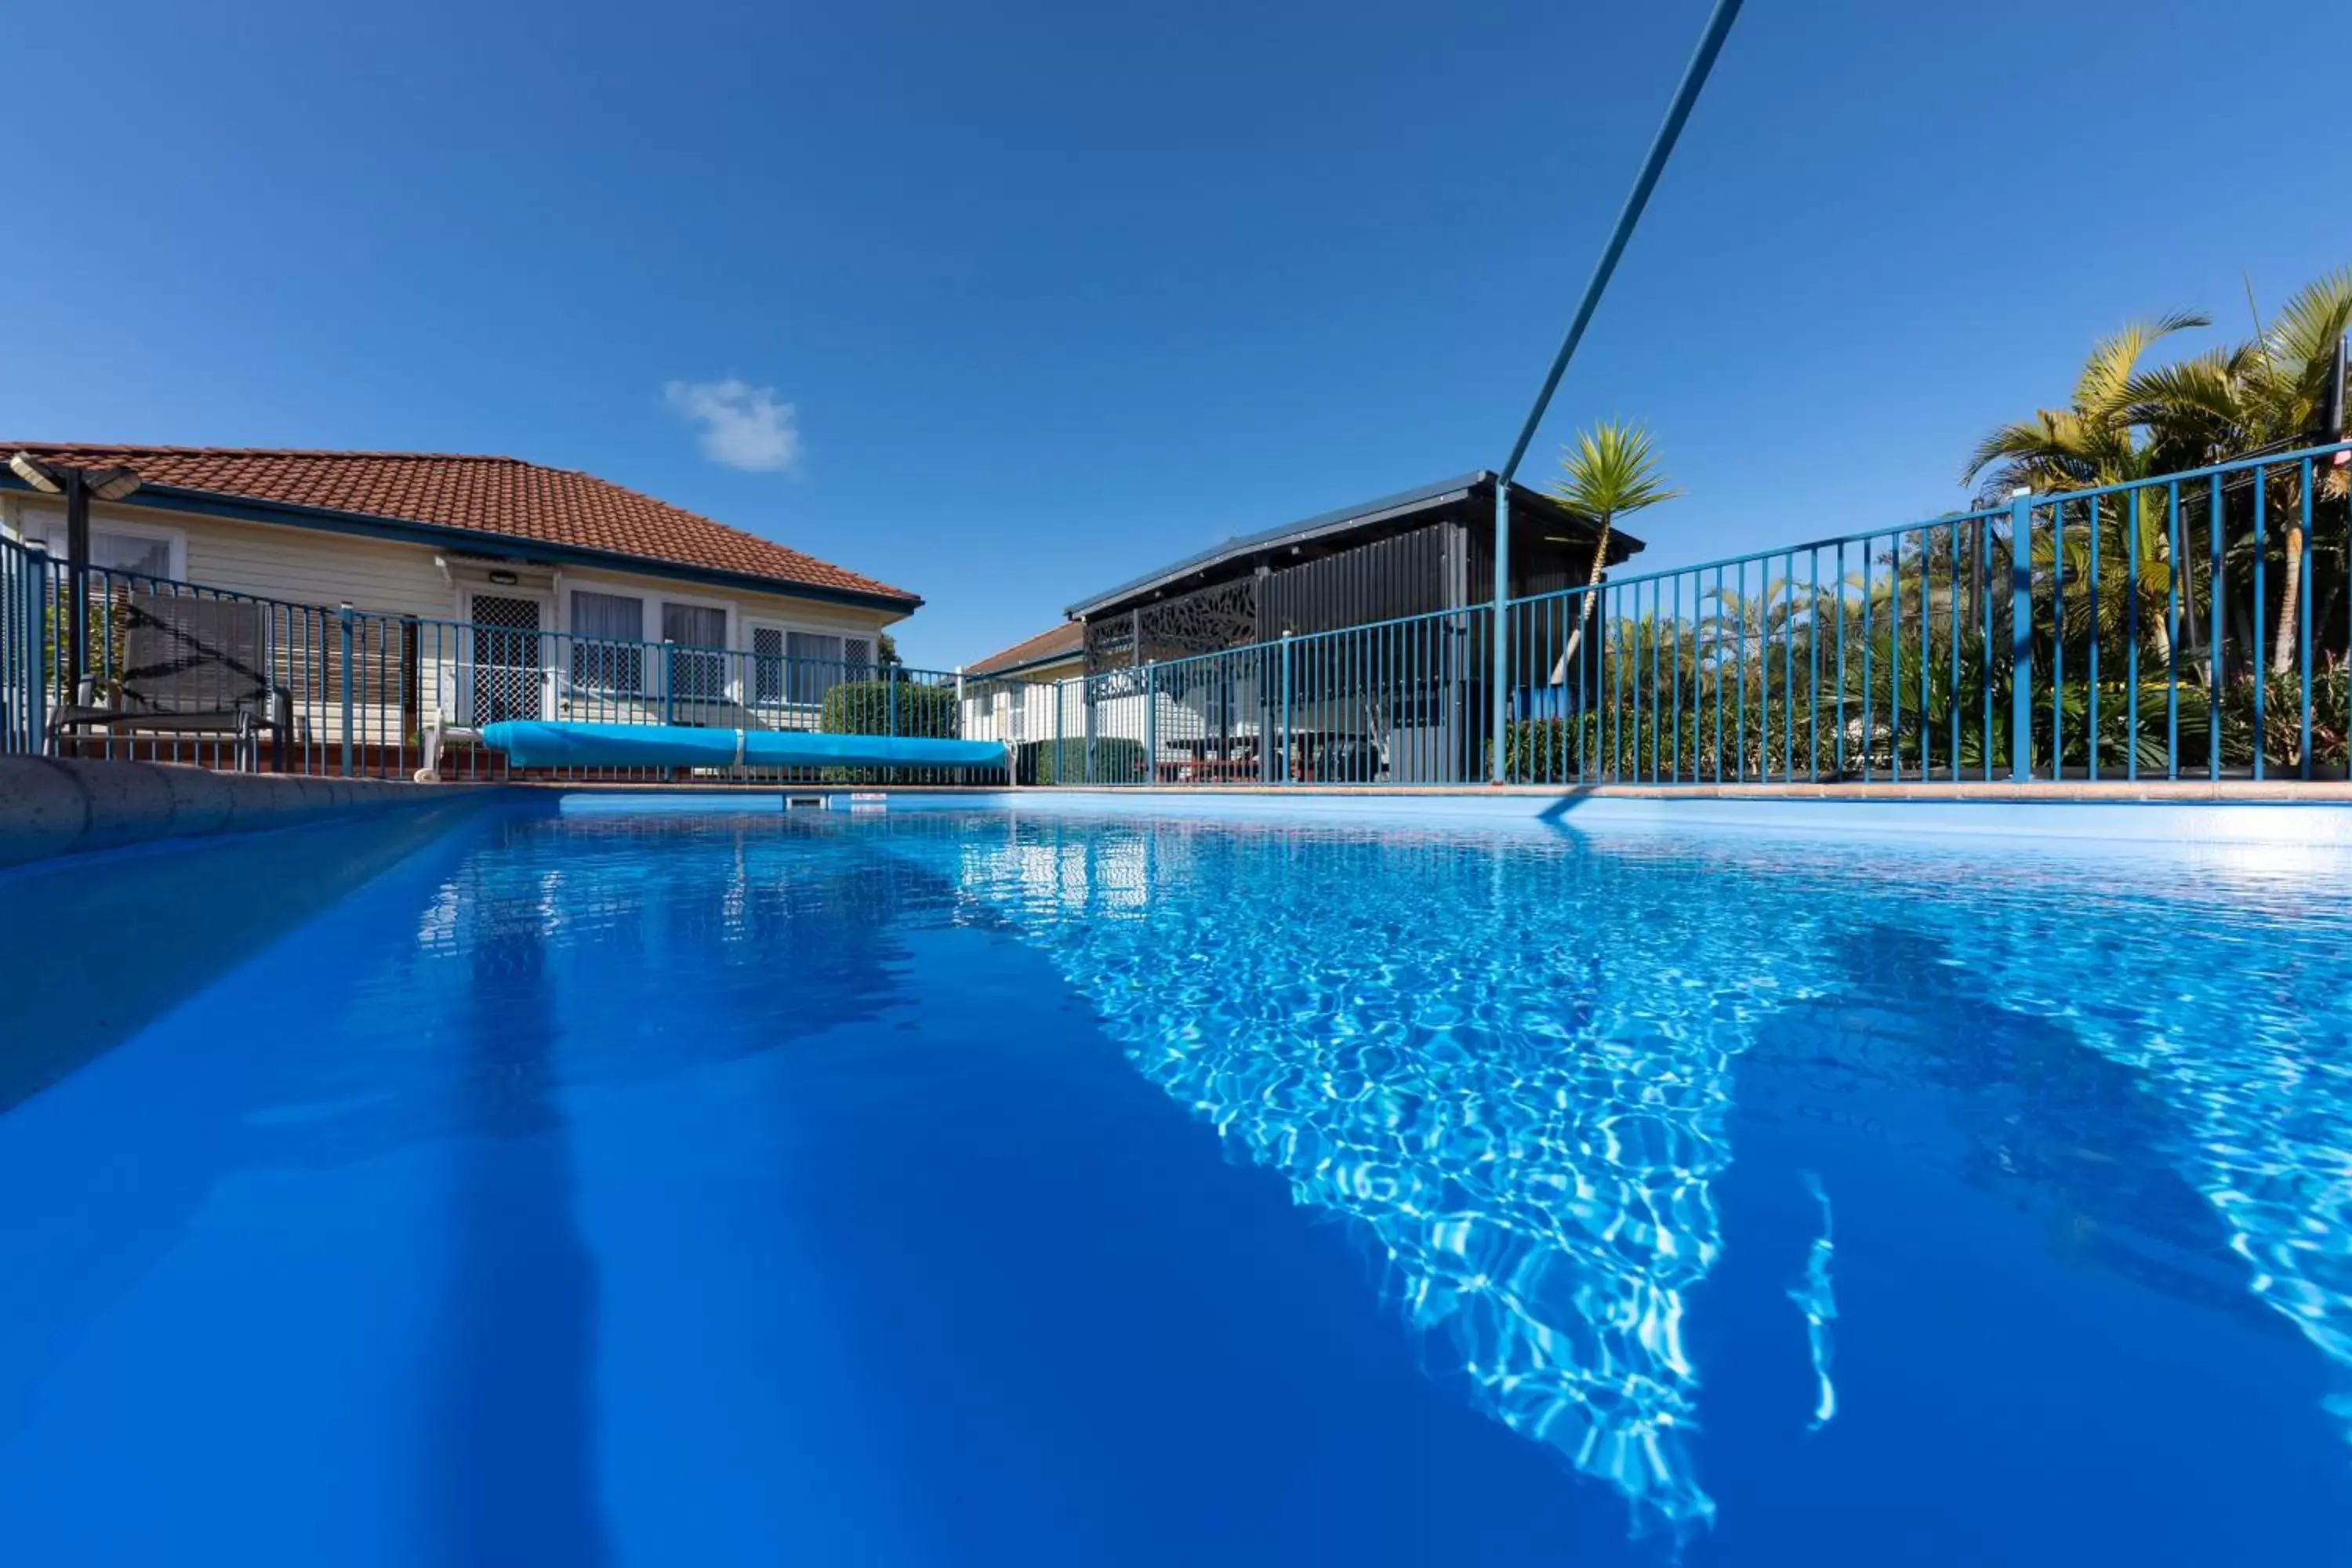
(537, 744)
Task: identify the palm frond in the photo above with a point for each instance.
(2100, 389)
(1612, 469)
(2304, 333)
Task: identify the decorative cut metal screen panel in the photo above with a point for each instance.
(1110, 642)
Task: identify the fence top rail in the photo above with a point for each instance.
(109, 576)
(1767, 557)
(901, 674)
(2294, 457)
(2039, 501)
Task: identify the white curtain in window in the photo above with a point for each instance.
(607, 632)
(694, 626)
(698, 664)
(817, 664)
(614, 618)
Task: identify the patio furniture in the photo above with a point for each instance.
(191, 666)
(1211, 761)
(1341, 759)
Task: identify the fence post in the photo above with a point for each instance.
(344, 614)
(1500, 715)
(2021, 638)
(1288, 772)
(1151, 725)
(1087, 715)
(890, 698)
(1058, 688)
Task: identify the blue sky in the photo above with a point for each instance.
(1018, 301)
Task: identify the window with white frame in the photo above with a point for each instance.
(608, 633)
(816, 662)
(140, 550)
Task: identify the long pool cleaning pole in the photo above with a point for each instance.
(1702, 61)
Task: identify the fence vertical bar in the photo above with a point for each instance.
(2214, 586)
(1927, 648)
(1287, 772)
(2021, 638)
(2132, 512)
(1151, 723)
(1894, 661)
(1789, 667)
(344, 614)
(2172, 631)
(1717, 641)
(37, 598)
(2091, 673)
(1838, 565)
(1952, 646)
(2256, 662)
(1657, 629)
(2057, 636)
(1984, 641)
(2303, 622)
(1616, 657)
(1088, 698)
(1739, 597)
(1678, 684)
(1813, 647)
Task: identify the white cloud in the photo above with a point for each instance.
(743, 425)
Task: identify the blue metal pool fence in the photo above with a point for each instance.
(2192, 625)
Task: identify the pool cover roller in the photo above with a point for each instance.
(536, 743)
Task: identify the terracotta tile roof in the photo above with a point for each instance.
(1065, 641)
(504, 496)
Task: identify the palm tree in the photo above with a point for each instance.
(1610, 472)
(2261, 396)
(2095, 439)
(2107, 435)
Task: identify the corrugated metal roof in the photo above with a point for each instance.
(1342, 519)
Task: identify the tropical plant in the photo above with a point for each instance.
(1611, 471)
(2095, 439)
(2261, 395)
(2104, 437)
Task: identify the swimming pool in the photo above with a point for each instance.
(959, 1187)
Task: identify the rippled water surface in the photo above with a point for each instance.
(951, 1188)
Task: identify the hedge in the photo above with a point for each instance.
(1065, 761)
(889, 707)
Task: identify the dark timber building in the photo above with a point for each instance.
(1410, 554)
(1256, 675)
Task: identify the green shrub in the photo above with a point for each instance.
(1064, 762)
(891, 708)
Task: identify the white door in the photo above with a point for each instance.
(506, 650)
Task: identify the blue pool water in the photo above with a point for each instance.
(952, 1187)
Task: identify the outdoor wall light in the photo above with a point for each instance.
(504, 579)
